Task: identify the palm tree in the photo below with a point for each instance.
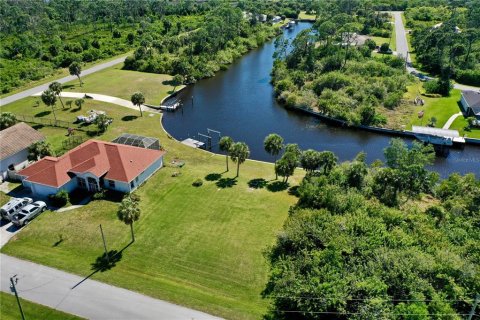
(129, 212)
(239, 152)
(328, 160)
(138, 99)
(75, 69)
(79, 102)
(56, 87)
(225, 145)
(50, 98)
(273, 144)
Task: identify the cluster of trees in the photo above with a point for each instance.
(378, 242)
(323, 69)
(237, 151)
(210, 44)
(446, 40)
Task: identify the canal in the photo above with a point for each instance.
(239, 102)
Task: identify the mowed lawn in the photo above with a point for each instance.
(123, 83)
(303, 15)
(460, 124)
(199, 247)
(9, 310)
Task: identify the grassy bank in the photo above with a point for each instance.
(200, 247)
(304, 16)
(9, 310)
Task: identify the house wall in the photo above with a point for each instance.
(119, 186)
(142, 177)
(43, 191)
(19, 160)
(465, 106)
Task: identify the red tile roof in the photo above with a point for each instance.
(116, 161)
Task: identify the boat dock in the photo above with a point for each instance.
(193, 143)
(437, 136)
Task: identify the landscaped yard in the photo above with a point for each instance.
(123, 83)
(460, 123)
(9, 310)
(200, 247)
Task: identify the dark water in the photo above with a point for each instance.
(239, 102)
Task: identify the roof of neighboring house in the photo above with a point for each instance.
(17, 138)
(473, 100)
(113, 161)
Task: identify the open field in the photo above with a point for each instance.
(304, 16)
(9, 310)
(200, 247)
(123, 83)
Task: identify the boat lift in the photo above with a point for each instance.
(207, 138)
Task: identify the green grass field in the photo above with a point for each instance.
(123, 83)
(9, 310)
(304, 16)
(460, 123)
(200, 247)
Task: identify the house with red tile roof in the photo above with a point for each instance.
(92, 166)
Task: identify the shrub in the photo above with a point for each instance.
(384, 48)
(438, 86)
(59, 199)
(116, 34)
(471, 77)
(392, 100)
(370, 44)
(100, 195)
(197, 183)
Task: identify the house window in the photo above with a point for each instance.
(132, 184)
(111, 183)
(81, 183)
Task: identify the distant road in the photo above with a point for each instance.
(402, 48)
(90, 299)
(29, 92)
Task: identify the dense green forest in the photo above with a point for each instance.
(446, 39)
(39, 37)
(378, 242)
(328, 69)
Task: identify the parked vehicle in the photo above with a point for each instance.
(13, 206)
(28, 213)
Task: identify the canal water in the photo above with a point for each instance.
(240, 103)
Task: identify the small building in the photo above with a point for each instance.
(92, 166)
(470, 103)
(437, 136)
(138, 141)
(262, 17)
(276, 19)
(14, 143)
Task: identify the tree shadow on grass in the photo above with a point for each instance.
(107, 261)
(213, 176)
(43, 113)
(277, 186)
(38, 126)
(129, 118)
(226, 182)
(68, 86)
(258, 183)
(75, 110)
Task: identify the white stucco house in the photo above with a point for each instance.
(92, 166)
(14, 143)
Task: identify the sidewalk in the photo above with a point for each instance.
(90, 299)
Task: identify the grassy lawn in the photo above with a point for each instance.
(200, 247)
(304, 16)
(9, 310)
(406, 115)
(59, 73)
(460, 123)
(123, 83)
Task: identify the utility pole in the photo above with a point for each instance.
(12, 281)
(104, 244)
(472, 313)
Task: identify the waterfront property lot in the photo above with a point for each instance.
(123, 83)
(9, 310)
(460, 124)
(200, 247)
(305, 16)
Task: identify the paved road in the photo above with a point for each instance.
(402, 48)
(43, 87)
(91, 299)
